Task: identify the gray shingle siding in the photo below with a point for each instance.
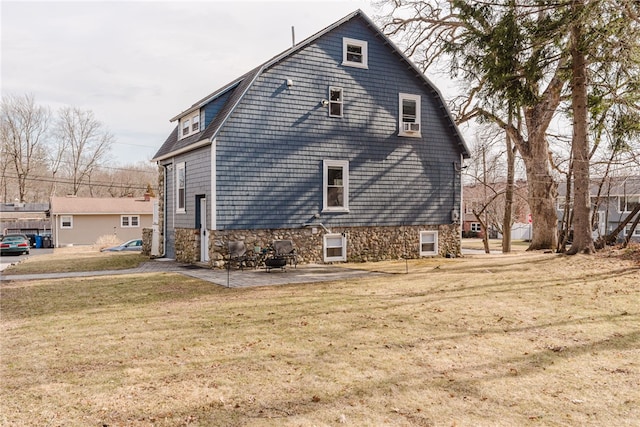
(198, 173)
(270, 151)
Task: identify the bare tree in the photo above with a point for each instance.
(23, 129)
(86, 142)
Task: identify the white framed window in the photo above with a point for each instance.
(129, 221)
(181, 188)
(409, 115)
(186, 127)
(335, 186)
(475, 226)
(66, 221)
(628, 203)
(335, 247)
(195, 123)
(335, 101)
(428, 243)
(354, 53)
(190, 125)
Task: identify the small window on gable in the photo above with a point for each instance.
(354, 53)
(335, 247)
(335, 102)
(428, 243)
(195, 123)
(409, 115)
(335, 186)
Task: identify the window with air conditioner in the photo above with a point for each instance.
(409, 115)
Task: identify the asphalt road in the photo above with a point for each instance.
(7, 260)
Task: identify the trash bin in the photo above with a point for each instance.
(38, 242)
(46, 242)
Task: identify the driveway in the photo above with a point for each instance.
(6, 261)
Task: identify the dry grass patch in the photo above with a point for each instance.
(519, 340)
(64, 260)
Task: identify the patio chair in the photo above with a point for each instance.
(285, 249)
(238, 254)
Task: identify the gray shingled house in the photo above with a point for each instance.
(339, 144)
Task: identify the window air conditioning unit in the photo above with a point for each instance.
(411, 127)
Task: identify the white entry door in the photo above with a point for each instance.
(204, 235)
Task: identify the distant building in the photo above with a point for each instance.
(31, 219)
(82, 220)
(612, 200)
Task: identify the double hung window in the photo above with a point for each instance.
(354, 53)
(335, 247)
(428, 243)
(335, 102)
(190, 124)
(181, 188)
(336, 185)
(409, 115)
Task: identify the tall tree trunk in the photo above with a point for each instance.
(582, 237)
(542, 202)
(508, 195)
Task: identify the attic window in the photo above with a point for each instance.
(190, 124)
(354, 53)
(185, 127)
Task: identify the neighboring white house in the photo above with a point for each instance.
(82, 220)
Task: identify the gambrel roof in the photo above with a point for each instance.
(239, 87)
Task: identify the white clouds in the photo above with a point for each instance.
(137, 64)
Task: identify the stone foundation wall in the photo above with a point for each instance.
(187, 245)
(147, 236)
(364, 244)
(161, 208)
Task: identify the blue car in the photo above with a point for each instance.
(131, 245)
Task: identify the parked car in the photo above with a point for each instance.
(14, 244)
(131, 245)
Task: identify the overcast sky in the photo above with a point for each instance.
(136, 64)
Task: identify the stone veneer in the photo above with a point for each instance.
(363, 243)
(147, 236)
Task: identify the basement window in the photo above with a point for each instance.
(335, 247)
(428, 243)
